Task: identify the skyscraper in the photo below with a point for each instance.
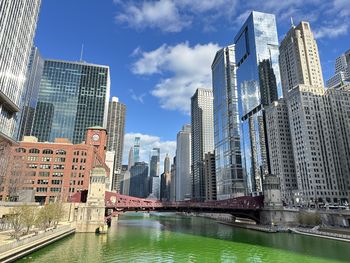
(115, 129)
(136, 149)
(131, 158)
(72, 97)
(154, 162)
(139, 180)
(281, 149)
(229, 172)
(18, 21)
(209, 176)
(167, 164)
(255, 43)
(342, 71)
(30, 94)
(202, 137)
(165, 180)
(299, 59)
(183, 180)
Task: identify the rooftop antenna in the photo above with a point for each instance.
(291, 21)
(81, 52)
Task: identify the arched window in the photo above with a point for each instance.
(61, 152)
(34, 151)
(47, 151)
(20, 150)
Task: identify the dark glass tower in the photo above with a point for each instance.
(72, 97)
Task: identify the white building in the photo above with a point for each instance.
(280, 148)
(342, 71)
(299, 59)
(202, 123)
(183, 180)
(18, 21)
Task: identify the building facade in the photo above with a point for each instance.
(18, 21)
(228, 158)
(72, 97)
(299, 58)
(30, 94)
(256, 42)
(183, 179)
(139, 180)
(209, 176)
(281, 149)
(115, 143)
(320, 150)
(202, 137)
(58, 169)
(342, 71)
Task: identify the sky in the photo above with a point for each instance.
(160, 52)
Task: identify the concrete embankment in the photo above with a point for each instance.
(260, 228)
(16, 250)
(321, 234)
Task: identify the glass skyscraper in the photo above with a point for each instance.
(30, 94)
(255, 44)
(18, 20)
(72, 97)
(228, 160)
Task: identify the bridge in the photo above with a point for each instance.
(245, 206)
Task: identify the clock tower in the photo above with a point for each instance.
(97, 136)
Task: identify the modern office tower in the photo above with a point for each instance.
(139, 180)
(115, 129)
(18, 20)
(342, 71)
(202, 123)
(154, 162)
(229, 171)
(173, 180)
(299, 59)
(165, 180)
(30, 93)
(209, 176)
(125, 183)
(281, 149)
(72, 97)
(320, 143)
(255, 43)
(183, 179)
(167, 164)
(136, 149)
(131, 158)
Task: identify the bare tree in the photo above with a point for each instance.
(5, 153)
(14, 218)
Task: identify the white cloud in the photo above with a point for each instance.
(187, 68)
(148, 142)
(176, 15)
(138, 98)
(331, 31)
(161, 14)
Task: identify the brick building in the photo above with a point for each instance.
(57, 169)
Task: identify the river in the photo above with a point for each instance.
(170, 238)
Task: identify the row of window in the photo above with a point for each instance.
(37, 151)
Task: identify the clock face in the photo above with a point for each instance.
(95, 137)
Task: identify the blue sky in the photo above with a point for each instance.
(160, 51)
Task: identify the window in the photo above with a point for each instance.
(36, 151)
(43, 181)
(32, 165)
(20, 150)
(58, 166)
(60, 159)
(61, 152)
(33, 158)
(55, 189)
(57, 174)
(76, 153)
(41, 189)
(56, 181)
(44, 174)
(46, 159)
(47, 151)
(45, 166)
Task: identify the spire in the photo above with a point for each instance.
(291, 22)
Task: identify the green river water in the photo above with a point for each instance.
(170, 238)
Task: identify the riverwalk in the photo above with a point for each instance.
(321, 234)
(17, 249)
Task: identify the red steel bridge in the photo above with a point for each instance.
(245, 206)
